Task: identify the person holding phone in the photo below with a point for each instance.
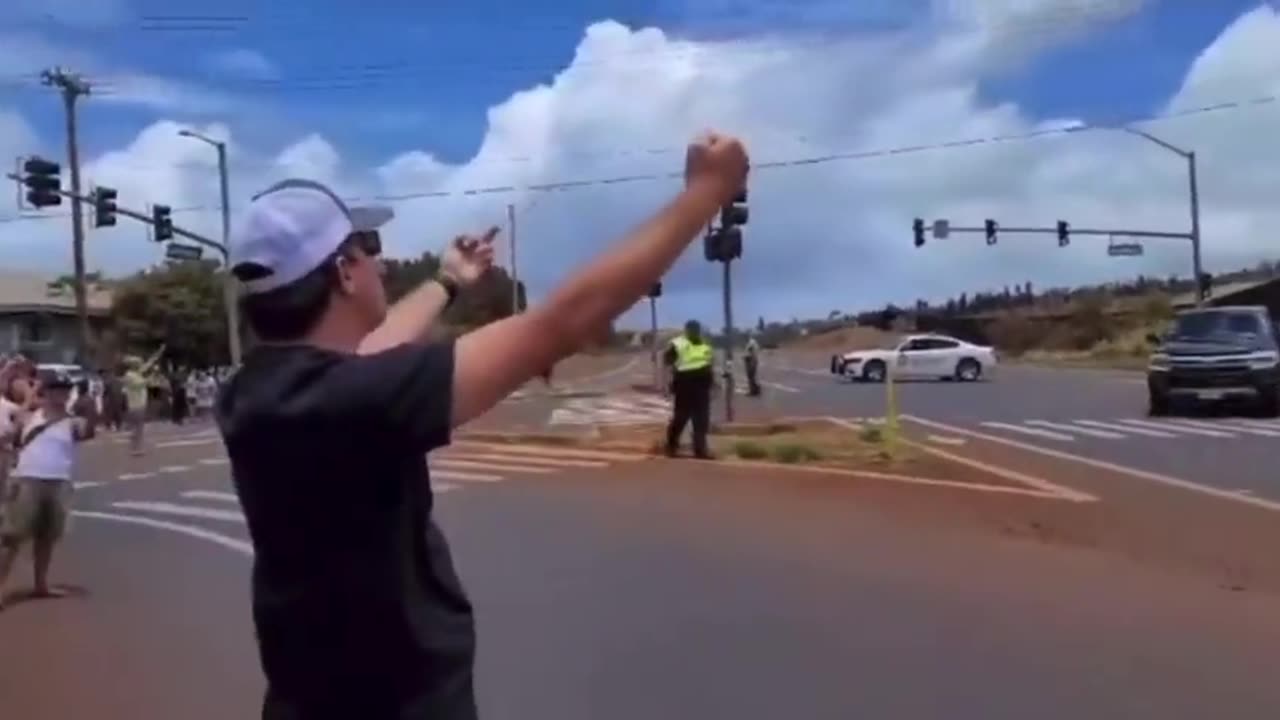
(37, 503)
(332, 414)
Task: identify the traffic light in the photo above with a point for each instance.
(656, 290)
(1064, 233)
(161, 217)
(992, 227)
(104, 207)
(917, 227)
(735, 213)
(43, 182)
(723, 244)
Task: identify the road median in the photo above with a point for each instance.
(810, 446)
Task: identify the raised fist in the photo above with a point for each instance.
(719, 160)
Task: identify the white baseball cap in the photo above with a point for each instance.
(292, 227)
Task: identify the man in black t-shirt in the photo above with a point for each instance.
(358, 609)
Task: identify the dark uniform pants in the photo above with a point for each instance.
(752, 364)
(692, 392)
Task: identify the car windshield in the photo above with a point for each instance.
(1213, 325)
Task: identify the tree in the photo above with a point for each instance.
(488, 300)
(180, 305)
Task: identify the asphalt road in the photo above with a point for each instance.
(1097, 414)
(633, 589)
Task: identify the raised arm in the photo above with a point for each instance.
(151, 361)
(495, 360)
(411, 318)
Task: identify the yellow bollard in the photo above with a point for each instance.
(890, 413)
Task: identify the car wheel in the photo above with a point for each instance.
(874, 371)
(968, 370)
(836, 368)
(1157, 405)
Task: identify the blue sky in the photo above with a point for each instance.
(391, 88)
(425, 74)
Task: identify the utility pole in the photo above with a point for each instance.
(515, 281)
(229, 289)
(1201, 288)
(728, 342)
(73, 86)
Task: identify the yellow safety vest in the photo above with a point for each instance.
(691, 356)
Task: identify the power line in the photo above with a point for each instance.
(799, 161)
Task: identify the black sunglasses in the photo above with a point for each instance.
(368, 241)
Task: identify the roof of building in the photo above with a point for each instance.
(24, 292)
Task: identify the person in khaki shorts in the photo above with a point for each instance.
(37, 501)
(134, 382)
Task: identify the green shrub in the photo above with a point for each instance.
(791, 454)
(750, 451)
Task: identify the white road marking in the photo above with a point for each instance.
(188, 443)
(552, 452)
(214, 461)
(534, 460)
(240, 546)
(1125, 429)
(1072, 428)
(1247, 430)
(1101, 464)
(443, 487)
(165, 508)
(211, 495)
(88, 484)
(136, 476)
(1027, 431)
(464, 477)
(1264, 424)
(947, 440)
(467, 465)
(174, 469)
(780, 386)
(1173, 427)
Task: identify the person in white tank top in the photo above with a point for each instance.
(37, 502)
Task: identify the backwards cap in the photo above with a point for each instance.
(292, 227)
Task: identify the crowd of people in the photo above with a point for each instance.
(46, 412)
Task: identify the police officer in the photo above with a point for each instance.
(751, 363)
(690, 358)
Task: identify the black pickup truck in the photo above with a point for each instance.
(1219, 354)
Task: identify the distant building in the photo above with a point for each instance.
(38, 316)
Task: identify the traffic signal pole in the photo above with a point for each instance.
(728, 341)
(72, 87)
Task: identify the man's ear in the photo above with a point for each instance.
(346, 279)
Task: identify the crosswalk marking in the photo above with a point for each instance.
(1238, 428)
(1172, 426)
(165, 508)
(1119, 429)
(1147, 432)
(535, 460)
(211, 495)
(1029, 431)
(499, 467)
(1083, 431)
(541, 450)
(464, 476)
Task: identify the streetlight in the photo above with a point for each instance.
(1190, 157)
(229, 287)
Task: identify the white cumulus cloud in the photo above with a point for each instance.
(822, 236)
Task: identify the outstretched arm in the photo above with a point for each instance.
(495, 360)
(464, 261)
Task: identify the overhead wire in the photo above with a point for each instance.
(798, 161)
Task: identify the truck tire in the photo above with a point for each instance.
(1157, 404)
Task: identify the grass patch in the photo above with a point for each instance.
(794, 453)
(750, 450)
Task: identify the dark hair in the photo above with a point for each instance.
(291, 311)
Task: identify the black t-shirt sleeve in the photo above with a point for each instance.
(408, 392)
